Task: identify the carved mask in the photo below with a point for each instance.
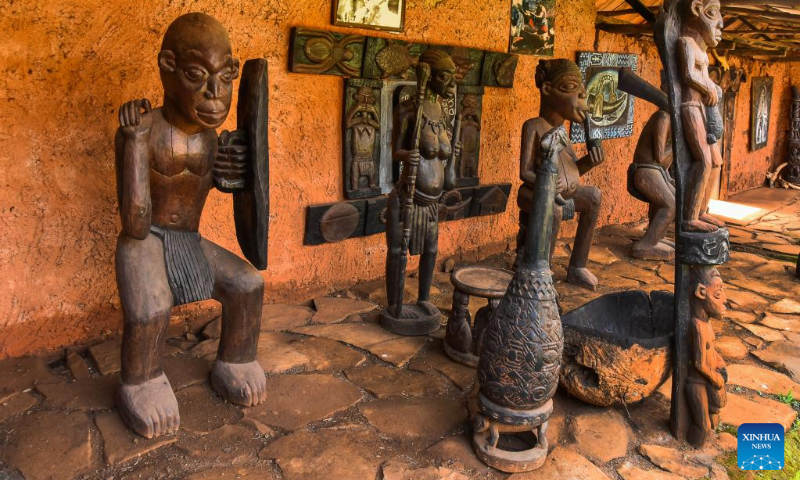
(707, 20)
(197, 71)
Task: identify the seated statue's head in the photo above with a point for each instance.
(561, 85)
(197, 71)
(443, 71)
(708, 291)
(704, 17)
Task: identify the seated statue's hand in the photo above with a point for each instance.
(134, 117)
(413, 157)
(597, 155)
(230, 168)
(457, 149)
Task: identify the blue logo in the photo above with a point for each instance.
(760, 446)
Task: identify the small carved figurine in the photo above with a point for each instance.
(701, 28)
(649, 181)
(706, 377)
(522, 346)
(423, 144)
(167, 159)
(793, 175)
(563, 98)
(363, 124)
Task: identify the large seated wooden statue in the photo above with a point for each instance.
(563, 98)
(167, 160)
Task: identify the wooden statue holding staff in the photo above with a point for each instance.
(423, 143)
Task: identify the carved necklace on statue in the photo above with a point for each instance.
(436, 126)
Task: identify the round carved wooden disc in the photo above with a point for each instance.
(481, 281)
(339, 222)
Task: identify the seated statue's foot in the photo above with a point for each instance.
(667, 242)
(582, 277)
(708, 218)
(240, 383)
(698, 226)
(149, 408)
(659, 251)
(428, 307)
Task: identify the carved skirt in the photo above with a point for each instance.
(188, 272)
(424, 218)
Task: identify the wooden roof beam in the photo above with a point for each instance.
(643, 10)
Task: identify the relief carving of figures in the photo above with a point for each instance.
(362, 139)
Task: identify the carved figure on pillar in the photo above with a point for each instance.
(522, 344)
(649, 181)
(563, 98)
(706, 377)
(684, 30)
(167, 161)
(363, 124)
(701, 29)
(423, 145)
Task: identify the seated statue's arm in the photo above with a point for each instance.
(133, 168)
(530, 144)
(662, 143)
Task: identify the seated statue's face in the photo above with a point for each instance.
(199, 81)
(566, 95)
(708, 20)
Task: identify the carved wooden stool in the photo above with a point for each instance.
(462, 340)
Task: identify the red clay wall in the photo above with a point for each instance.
(68, 65)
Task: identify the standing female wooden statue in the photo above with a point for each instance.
(422, 142)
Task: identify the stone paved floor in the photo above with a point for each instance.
(351, 401)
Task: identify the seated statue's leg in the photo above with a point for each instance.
(695, 129)
(237, 375)
(587, 204)
(652, 185)
(427, 263)
(145, 398)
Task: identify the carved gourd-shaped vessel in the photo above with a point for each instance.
(521, 354)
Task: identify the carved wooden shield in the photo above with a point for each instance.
(251, 205)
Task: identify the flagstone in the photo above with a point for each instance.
(673, 461)
(18, 374)
(765, 333)
(385, 382)
(50, 441)
(784, 249)
(741, 410)
(227, 445)
(343, 452)
(434, 359)
(741, 317)
(278, 317)
(456, 451)
(15, 404)
(120, 444)
(743, 300)
(422, 418)
(761, 379)
(369, 336)
(95, 393)
(400, 470)
(564, 463)
(282, 353)
(782, 323)
(601, 436)
(630, 472)
(787, 305)
(77, 366)
(783, 355)
(334, 310)
(731, 347)
(203, 411)
(254, 472)
(294, 401)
